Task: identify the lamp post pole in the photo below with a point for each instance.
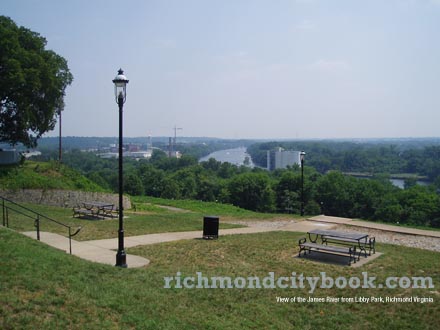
(302, 154)
(120, 93)
(60, 150)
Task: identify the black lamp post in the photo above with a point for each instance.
(60, 150)
(301, 156)
(121, 82)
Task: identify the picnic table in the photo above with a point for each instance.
(361, 240)
(94, 210)
(351, 240)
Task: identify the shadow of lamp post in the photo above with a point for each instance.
(121, 82)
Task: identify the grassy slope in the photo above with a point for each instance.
(149, 219)
(208, 208)
(46, 289)
(44, 175)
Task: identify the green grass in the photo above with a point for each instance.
(43, 288)
(207, 208)
(157, 220)
(44, 175)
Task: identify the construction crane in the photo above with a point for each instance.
(172, 142)
(175, 133)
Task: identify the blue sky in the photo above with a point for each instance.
(246, 69)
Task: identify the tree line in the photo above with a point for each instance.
(330, 193)
(415, 156)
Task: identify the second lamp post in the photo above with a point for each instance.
(121, 82)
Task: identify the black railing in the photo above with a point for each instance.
(8, 205)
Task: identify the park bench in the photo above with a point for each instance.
(363, 245)
(349, 251)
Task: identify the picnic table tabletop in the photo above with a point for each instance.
(341, 234)
(98, 205)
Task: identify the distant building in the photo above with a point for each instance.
(174, 154)
(280, 158)
(127, 154)
(133, 147)
(128, 150)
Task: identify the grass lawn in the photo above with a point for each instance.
(43, 288)
(148, 219)
(227, 211)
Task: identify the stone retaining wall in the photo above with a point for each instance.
(63, 198)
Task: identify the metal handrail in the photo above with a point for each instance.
(38, 218)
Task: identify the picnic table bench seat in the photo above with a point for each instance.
(349, 251)
(109, 211)
(369, 244)
(79, 211)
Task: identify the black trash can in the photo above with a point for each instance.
(210, 227)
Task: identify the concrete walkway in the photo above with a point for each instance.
(104, 251)
(87, 251)
(169, 237)
(374, 225)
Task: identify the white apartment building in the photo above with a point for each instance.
(280, 158)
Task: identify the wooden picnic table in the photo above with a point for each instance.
(96, 205)
(361, 239)
(334, 233)
(94, 209)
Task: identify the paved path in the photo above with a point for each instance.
(374, 225)
(131, 241)
(87, 251)
(104, 251)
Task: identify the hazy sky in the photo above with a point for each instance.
(246, 68)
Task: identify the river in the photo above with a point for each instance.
(236, 156)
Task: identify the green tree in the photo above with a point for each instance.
(207, 188)
(333, 194)
(170, 189)
(133, 185)
(152, 179)
(32, 85)
(420, 205)
(186, 180)
(288, 192)
(252, 191)
(389, 210)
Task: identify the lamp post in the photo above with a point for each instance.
(120, 82)
(301, 157)
(60, 150)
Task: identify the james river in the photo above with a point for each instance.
(234, 156)
(237, 156)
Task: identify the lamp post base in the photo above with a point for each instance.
(121, 259)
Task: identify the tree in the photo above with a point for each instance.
(252, 191)
(333, 194)
(133, 185)
(32, 85)
(186, 180)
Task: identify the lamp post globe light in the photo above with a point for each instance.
(301, 157)
(121, 82)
